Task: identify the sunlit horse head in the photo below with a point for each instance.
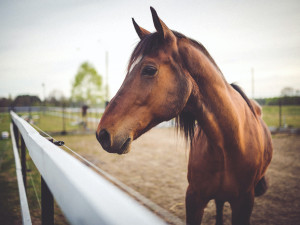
(156, 88)
(172, 76)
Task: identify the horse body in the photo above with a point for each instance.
(171, 76)
(231, 148)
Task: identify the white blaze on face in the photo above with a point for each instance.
(135, 63)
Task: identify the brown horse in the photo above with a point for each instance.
(170, 75)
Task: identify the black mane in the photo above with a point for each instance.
(240, 91)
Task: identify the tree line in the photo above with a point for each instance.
(31, 100)
(284, 100)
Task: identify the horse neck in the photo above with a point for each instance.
(211, 101)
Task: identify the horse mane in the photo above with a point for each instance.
(147, 45)
(185, 121)
(247, 100)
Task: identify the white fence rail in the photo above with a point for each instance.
(26, 219)
(83, 196)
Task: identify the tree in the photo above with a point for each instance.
(5, 102)
(87, 85)
(287, 91)
(56, 97)
(27, 100)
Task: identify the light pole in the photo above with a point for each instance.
(44, 95)
(252, 81)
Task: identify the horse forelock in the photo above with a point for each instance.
(147, 45)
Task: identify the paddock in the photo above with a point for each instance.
(156, 167)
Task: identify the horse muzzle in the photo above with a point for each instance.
(119, 145)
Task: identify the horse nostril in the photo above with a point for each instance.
(104, 139)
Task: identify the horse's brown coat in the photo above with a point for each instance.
(230, 144)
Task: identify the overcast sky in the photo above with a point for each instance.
(46, 41)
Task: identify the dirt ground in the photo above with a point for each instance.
(157, 167)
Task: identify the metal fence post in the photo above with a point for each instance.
(47, 204)
(64, 132)
(279, 103)
(23, 162)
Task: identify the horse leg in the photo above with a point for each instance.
(219, 208)
(242, 209)
(194, 208)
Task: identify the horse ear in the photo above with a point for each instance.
(161, 27)
(140, 31)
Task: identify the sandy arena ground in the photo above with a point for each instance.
(157, 167)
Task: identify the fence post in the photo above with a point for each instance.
(64, 132)
(23, 162)
(47, 204)
(279, 103)
(16, 132)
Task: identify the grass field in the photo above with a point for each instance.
(50, 123)
(290, 116)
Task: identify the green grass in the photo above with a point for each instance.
(55, 124)
(9, 195)
(290, 116)
(50, 123)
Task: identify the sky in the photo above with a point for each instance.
(45, 42)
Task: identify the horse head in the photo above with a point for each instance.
(155, 89)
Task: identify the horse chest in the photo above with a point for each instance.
(205, 168)
(212, 174)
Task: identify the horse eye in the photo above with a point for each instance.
(149, 71)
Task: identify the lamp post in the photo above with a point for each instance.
(252, 81)
(44, 96)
